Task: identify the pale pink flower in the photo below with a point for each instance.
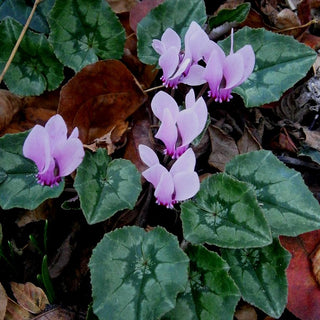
(178, 128)
(223, 73)
(180, 183)
(55, 154)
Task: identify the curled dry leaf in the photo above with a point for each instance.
(312, 138)
(16, 312)
(30, 297)
(119, 6)
(10, 104)
(316, 264)
(246, 312)
(57, 314)
(98, 98)
(3, 302)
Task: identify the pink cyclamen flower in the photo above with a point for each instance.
(54, 154)
(178, 66)
(180, 183)
(178, 128)
(223, 73)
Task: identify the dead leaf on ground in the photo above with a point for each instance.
(303, 289)
(248, 142)
(312, 138)
(57, 314)
(119, 6)
(10, 104)
(100, 97)
(16, 312)
(223, 148)
(246, 312)
(3, 302)
(316, 264)
(30, 297)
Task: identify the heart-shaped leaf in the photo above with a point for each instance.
(20, 188)
(176, 14)
(260, 276)
(281, 61)
(137, 274)
(289, 206)
(225, 212)
(106, 186)
(82, 31)
(211, 293)
(34, 68)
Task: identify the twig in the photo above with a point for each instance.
(154, 88)
(15, 49)
(313, 21)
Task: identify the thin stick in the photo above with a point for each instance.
(154, 88)
(15, 49)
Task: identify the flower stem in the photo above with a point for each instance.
(15, 49)
(154, 88)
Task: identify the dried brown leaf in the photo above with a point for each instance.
(16, 312)
(57, 314)
(110, 96)
(246, 312)
(312, 138)
(10, 104)
(119, 6)
(3, 302)
(248, 142)
(30, 297)
(223, 148)
(316, 264)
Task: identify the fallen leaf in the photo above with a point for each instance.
(246, 312)
(16, 312)
(140, 10)
(10, 104)
(248, 142)
(3, 302)
(316, 264)
(119, 6)
(223, 148)
(30, 297)
(57, 314)
(98, 98)
(303, 289)
(312, 138)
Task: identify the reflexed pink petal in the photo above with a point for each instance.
(171, 39)
(195, 76)
(167, 132)
(164, 190)
(154, 173)
(214, 72)
(74, 133)
(186, 185)
(190, 99)
(147, 155)
(233, 70)
(69, 156)
(185, 163)
(249, 59)
(169, 62)
(213, 48)
(158, 46)
(37, 148)
(200, 109)
(182, 68)
(162, 101)
(57, 130)
(188, 125)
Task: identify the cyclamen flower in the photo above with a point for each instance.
(178, 128)
(54, 154)
(178, 66)
(180, 183)
(223, 73)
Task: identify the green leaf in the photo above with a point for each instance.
(20, 11)
(34, 68)
(20, 187)
(225, 212)
(213, 293)
(82, 31)
(281, 61)
(175, 14)
(238, 15)
(289, 206)
(305, 151)
(137, 274)
(106, 186)
(260, 276)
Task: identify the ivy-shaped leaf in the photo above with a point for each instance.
(289, 206)
(34, 68)
(106, 186)
(260, 276)
(136, 274)
(225, 212)
(281, 61)
(20, 11)
(19, 187)
(83, 31)
(211, 293)
(176, 14)
(238, 15)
